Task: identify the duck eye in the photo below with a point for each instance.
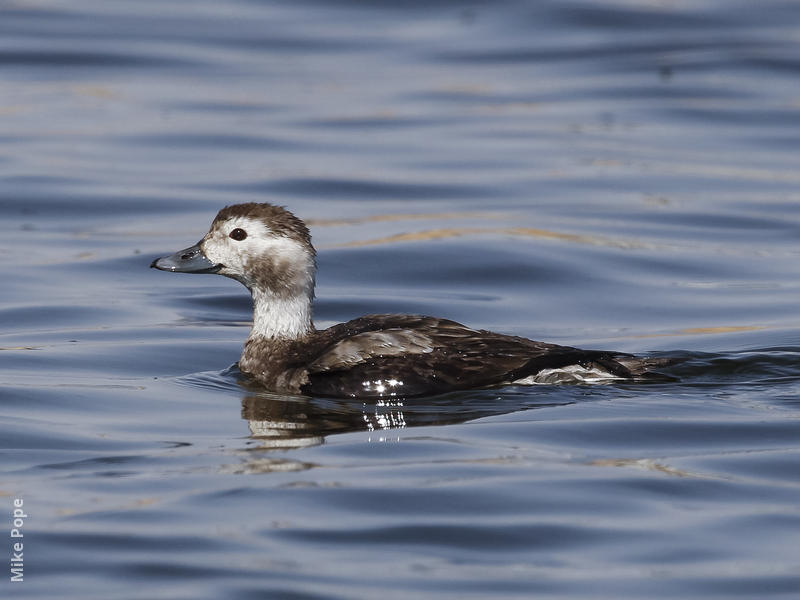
(238, 234)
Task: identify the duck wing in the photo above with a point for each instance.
(411, 355)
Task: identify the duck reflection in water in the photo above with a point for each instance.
(283, 421)
(290, 422)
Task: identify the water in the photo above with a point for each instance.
(609, 174)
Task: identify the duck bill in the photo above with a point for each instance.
(189, 260)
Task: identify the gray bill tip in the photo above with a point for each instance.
(189, 260)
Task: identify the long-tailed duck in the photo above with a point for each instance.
(269, 250)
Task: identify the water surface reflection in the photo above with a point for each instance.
(280, 422)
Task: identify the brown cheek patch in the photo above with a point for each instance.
(280, 277)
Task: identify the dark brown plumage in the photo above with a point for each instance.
(422, 356)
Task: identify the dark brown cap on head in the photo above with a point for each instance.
(277, 218)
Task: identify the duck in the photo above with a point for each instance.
(268, 249)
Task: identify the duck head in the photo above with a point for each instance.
(266, 248)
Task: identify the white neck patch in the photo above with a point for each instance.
(279, 317)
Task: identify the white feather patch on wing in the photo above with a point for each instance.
(363, 346)
(570, 374)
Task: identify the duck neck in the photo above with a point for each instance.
(280, 317)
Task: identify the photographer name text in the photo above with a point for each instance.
(17, 523)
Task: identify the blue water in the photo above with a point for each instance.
(615, 174)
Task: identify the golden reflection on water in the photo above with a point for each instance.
(727, 329)
(451, 232)
(402, 217)
(703, 331)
